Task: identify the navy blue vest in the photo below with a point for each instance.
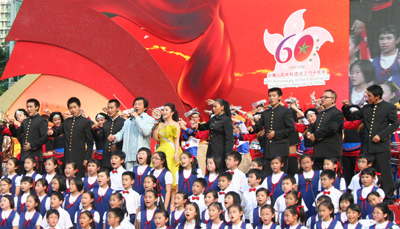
(256, 217)
(144, 224)
(161, 181)
(275, 189)
(72, 208)
(305, 189)
(49, 188)
(331, 226)
(88, 186)
(222, 226)
(366, 208)
(298, 226)
(7, 223)
(186, 184)
(273, 226)
(138, 185)
(12, 182)
(43, 206)
(102, 203)
(176, 221)
(383, 75)
(28, 224)
(346, 226)
(389, 225)
(79, 214)
(243, 226)
(20, 207)
(211, 185)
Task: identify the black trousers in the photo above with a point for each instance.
(293, 166)
(268, 165)
(383, 165)
(349, 166)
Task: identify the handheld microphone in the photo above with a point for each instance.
(158, 122)
(131, 118)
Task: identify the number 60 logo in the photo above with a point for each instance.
(302, 49)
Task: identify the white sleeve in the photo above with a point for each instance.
(15, 201)
(338, 225)
(104, 217)
(96, 217)
(265, 183)
(304, 204)
(44, 223)
(354, 195)
(176, 178)
(39, 220)
(381, 192)
(138, 217)
(296, 177)
(67, 221)
(343, 184)
(199, 173)
(15, 221)
(351, 185)
(308, 223)
(18, 181)
(276, 205)
(248, 226)
(38, 177)
(138, 201)
(76, 218)
(168, 178)
(47, 204)
(243, 203)
(251, 217)
(119, 136)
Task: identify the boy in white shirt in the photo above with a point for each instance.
(117, 159)
(115, 217)
(56, 200)
(233, 160)
(198, 187)
(52, 217)
(131, 196)
(225, 179)
(365, 160)
(249, 200)
(288, 183)
(327, 180)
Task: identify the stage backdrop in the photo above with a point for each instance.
(182, 52)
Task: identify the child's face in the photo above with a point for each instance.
(254, 165)
(290, 200)
(30, 203)
(328, 164)
(289, 218)
(363, 164)
(127, 182)
(326, 182)
(115, 202)
(84, 220)
(231, 163)
(267, 215)
(352, 216)
(287, 185)
(197, 188)
(25, 186)
(209, 199)
(387, 43)
(72, 186)
(150, 200)
(344, 204)
(102, 179)
(69, 171)
(276, 165)
(235, 215)
(160, 220)
(5, 204)
(228, 201)
(52, 220)
(116, 162)
(367, 180)
(306, 164)
(5, 187)
(190, 212)
(28, 165)
(378, 215)
(186, 161)
(324, 212)
(223, 183)
(352, 48)
(356, 76)
(10, 166)
(50, 166)
(86, 200)
(148, 184)
(214, 212)
(92, 169)
(156, 160)
(142, 157)
(211, 165)
(55, 202)
(179, 200)
(374, 200)
(112, 219)
(252, 180)
(55, 185)
(262, 198)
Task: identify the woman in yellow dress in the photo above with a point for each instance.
(168, 134)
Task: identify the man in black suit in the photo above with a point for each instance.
(326, 132)
(78, 136)
(380, 121)
(279, 125)
(33, 131)
(110, 127)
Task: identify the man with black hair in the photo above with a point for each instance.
(380, 121)
(78, 137)
(326, 133)
(279, 125)
(33, 131)
(112, 126)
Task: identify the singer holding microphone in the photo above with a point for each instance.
(279, 125)
(135, 133)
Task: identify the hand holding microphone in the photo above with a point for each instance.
(134, 114)
(157, 122)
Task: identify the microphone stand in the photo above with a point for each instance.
(312, 192)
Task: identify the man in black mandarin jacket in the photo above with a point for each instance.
(326, 132)
(110, 127)
(380, 121)
(33, 130)
(279, 125)
(78, 136)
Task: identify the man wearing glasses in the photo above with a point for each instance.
(326, 133)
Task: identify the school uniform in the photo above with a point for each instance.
(20, 202)
(146, 218)
(360, 197)
(384, 225)
(255, 218)
(9, 219)
(49, 178)
(131, 198)
(211, 225)
(341, 217)
(164, 177)
(177, 217)
(221, 197)
(140, 172)
(334, 194)
(212, 182)
(269, 226)
(274, 184)
(240, 225)
(29, 220)
(35, 176)
(56, 227)
(249, 201)
(44, 204)
(331, 224)
(15, 181)
(64, 220)
(298, 226)
(280, 204)
(352, 226)
(238, 179)
(102, 197)
(189, 225)
(355, 182)
(312, 220)
(199, 200)
(339, 184)
(305, 189)
(205, 217)
(184, 180)
(95, 214)
(72, 205)
(90, 183)
(116, 179)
